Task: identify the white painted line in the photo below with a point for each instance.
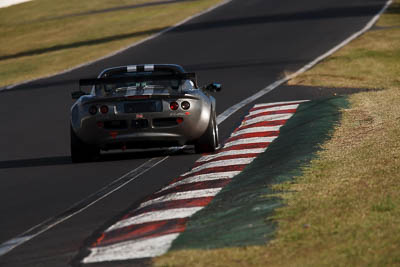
(280, 108)
(102, 193)
(109, 252)
(134, 249)
(275, 117)
(80, 206)
(12, 243)
(210, 192)
(7, 3)
(204, 178)
(253, 140)
(48, 224)
(222, 163)
(232, 152)
(266, 105)
(243, 103)
(261, 129)
(224, 115)
(155, 216)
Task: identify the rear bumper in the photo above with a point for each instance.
(146, 129)
(142, 140)
(133, 136)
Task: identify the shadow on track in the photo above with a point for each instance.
(35, 162)
(74, 83)
(114, 156)
(319, 14)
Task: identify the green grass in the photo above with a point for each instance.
(344, 210)
(44, 37)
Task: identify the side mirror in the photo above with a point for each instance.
(213, 87)
(77, 94)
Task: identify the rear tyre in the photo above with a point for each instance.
(216, 133)
(209, 141)
(81, 152)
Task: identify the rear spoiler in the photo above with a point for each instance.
(139, 78)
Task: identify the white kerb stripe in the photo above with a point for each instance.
(154, 216)
(275, 117)
(131, 68)
(231, 153)
(262, 129)
(133, 249)
(280, 108)
(255, 140)
(272, 86)
(148, 67)
(278, 103)
(203, 178)
(210, 192)
(221, 163)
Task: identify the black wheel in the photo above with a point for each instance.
(209, 141)
(81, 152)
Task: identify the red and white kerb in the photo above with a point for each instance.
(150, 229)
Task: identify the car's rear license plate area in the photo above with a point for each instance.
(117, 124)
(165, 122)
(140, 123)
(141, 106)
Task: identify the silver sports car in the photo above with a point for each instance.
(142, 106)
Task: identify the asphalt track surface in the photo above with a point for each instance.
(245, 45)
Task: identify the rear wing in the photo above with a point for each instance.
(138, 78)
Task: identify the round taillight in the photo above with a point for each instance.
(104, 109)
(179, 120)
(185, 105)
(93, 110)
(173, 105)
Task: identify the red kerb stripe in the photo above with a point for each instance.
(159, 228)
(144, 230)
(286, 111)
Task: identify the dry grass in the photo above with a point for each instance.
(44, 37)
(368, 62)
(345, 208)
